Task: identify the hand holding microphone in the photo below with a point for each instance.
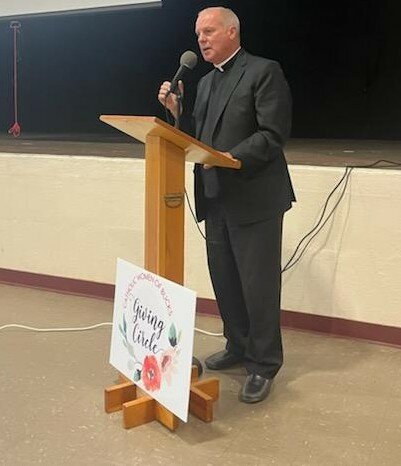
(169, 99)
(168, 90)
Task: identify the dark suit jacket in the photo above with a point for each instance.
(253, 122)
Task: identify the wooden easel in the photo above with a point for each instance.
(139, 408)
(166, 150)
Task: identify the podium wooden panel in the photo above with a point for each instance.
(166, 150)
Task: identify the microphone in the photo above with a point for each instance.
(188, 61)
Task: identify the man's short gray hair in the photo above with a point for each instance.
(228, 16)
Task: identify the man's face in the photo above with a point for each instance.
(216, 41)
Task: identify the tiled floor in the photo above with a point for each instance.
(335, 402)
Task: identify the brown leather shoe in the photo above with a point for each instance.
(256, 388)
(222, 360)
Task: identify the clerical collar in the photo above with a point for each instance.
(220, 66)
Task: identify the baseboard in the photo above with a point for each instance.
(290, 319)
(57, 284)
(323, 324)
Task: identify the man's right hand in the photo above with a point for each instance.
(172, 101)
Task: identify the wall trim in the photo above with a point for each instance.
(295, 320)
(334, 326)
(58, 284)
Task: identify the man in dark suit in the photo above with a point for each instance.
(243, 109)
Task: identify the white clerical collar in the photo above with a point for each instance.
(220, 65)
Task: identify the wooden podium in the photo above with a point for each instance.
(166, 151)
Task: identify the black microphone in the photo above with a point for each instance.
(188, 61)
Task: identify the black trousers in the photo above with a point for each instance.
(245, 268)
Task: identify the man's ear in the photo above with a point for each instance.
(232, 32)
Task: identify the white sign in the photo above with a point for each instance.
(152, 336)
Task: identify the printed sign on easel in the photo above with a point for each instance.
(152, 336)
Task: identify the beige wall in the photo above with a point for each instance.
(353, 268)
(72, 216)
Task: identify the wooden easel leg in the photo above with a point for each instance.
(166, 417)
(209, 386)
(145, 409)
(117, 395)
(203, 394)
(194, 374)
(138, 412)
(201, 405)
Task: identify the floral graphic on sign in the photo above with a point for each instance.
(150, 370)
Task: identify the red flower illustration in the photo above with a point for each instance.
(151, 374)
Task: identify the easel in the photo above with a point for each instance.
(138, 408)
(166, 150)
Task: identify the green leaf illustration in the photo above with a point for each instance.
(125, 324)
(172, 335)
(121, 330)
(130, 349)
(137, 375)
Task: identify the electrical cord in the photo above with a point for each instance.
(168, 116)
(319, 225)
(81, 329)
(63, 329)
(194, 216)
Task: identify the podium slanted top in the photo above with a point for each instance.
(139, 127)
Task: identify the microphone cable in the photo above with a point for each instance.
(320, 224)
(322, 221)
(194, 216)
(168, 116)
